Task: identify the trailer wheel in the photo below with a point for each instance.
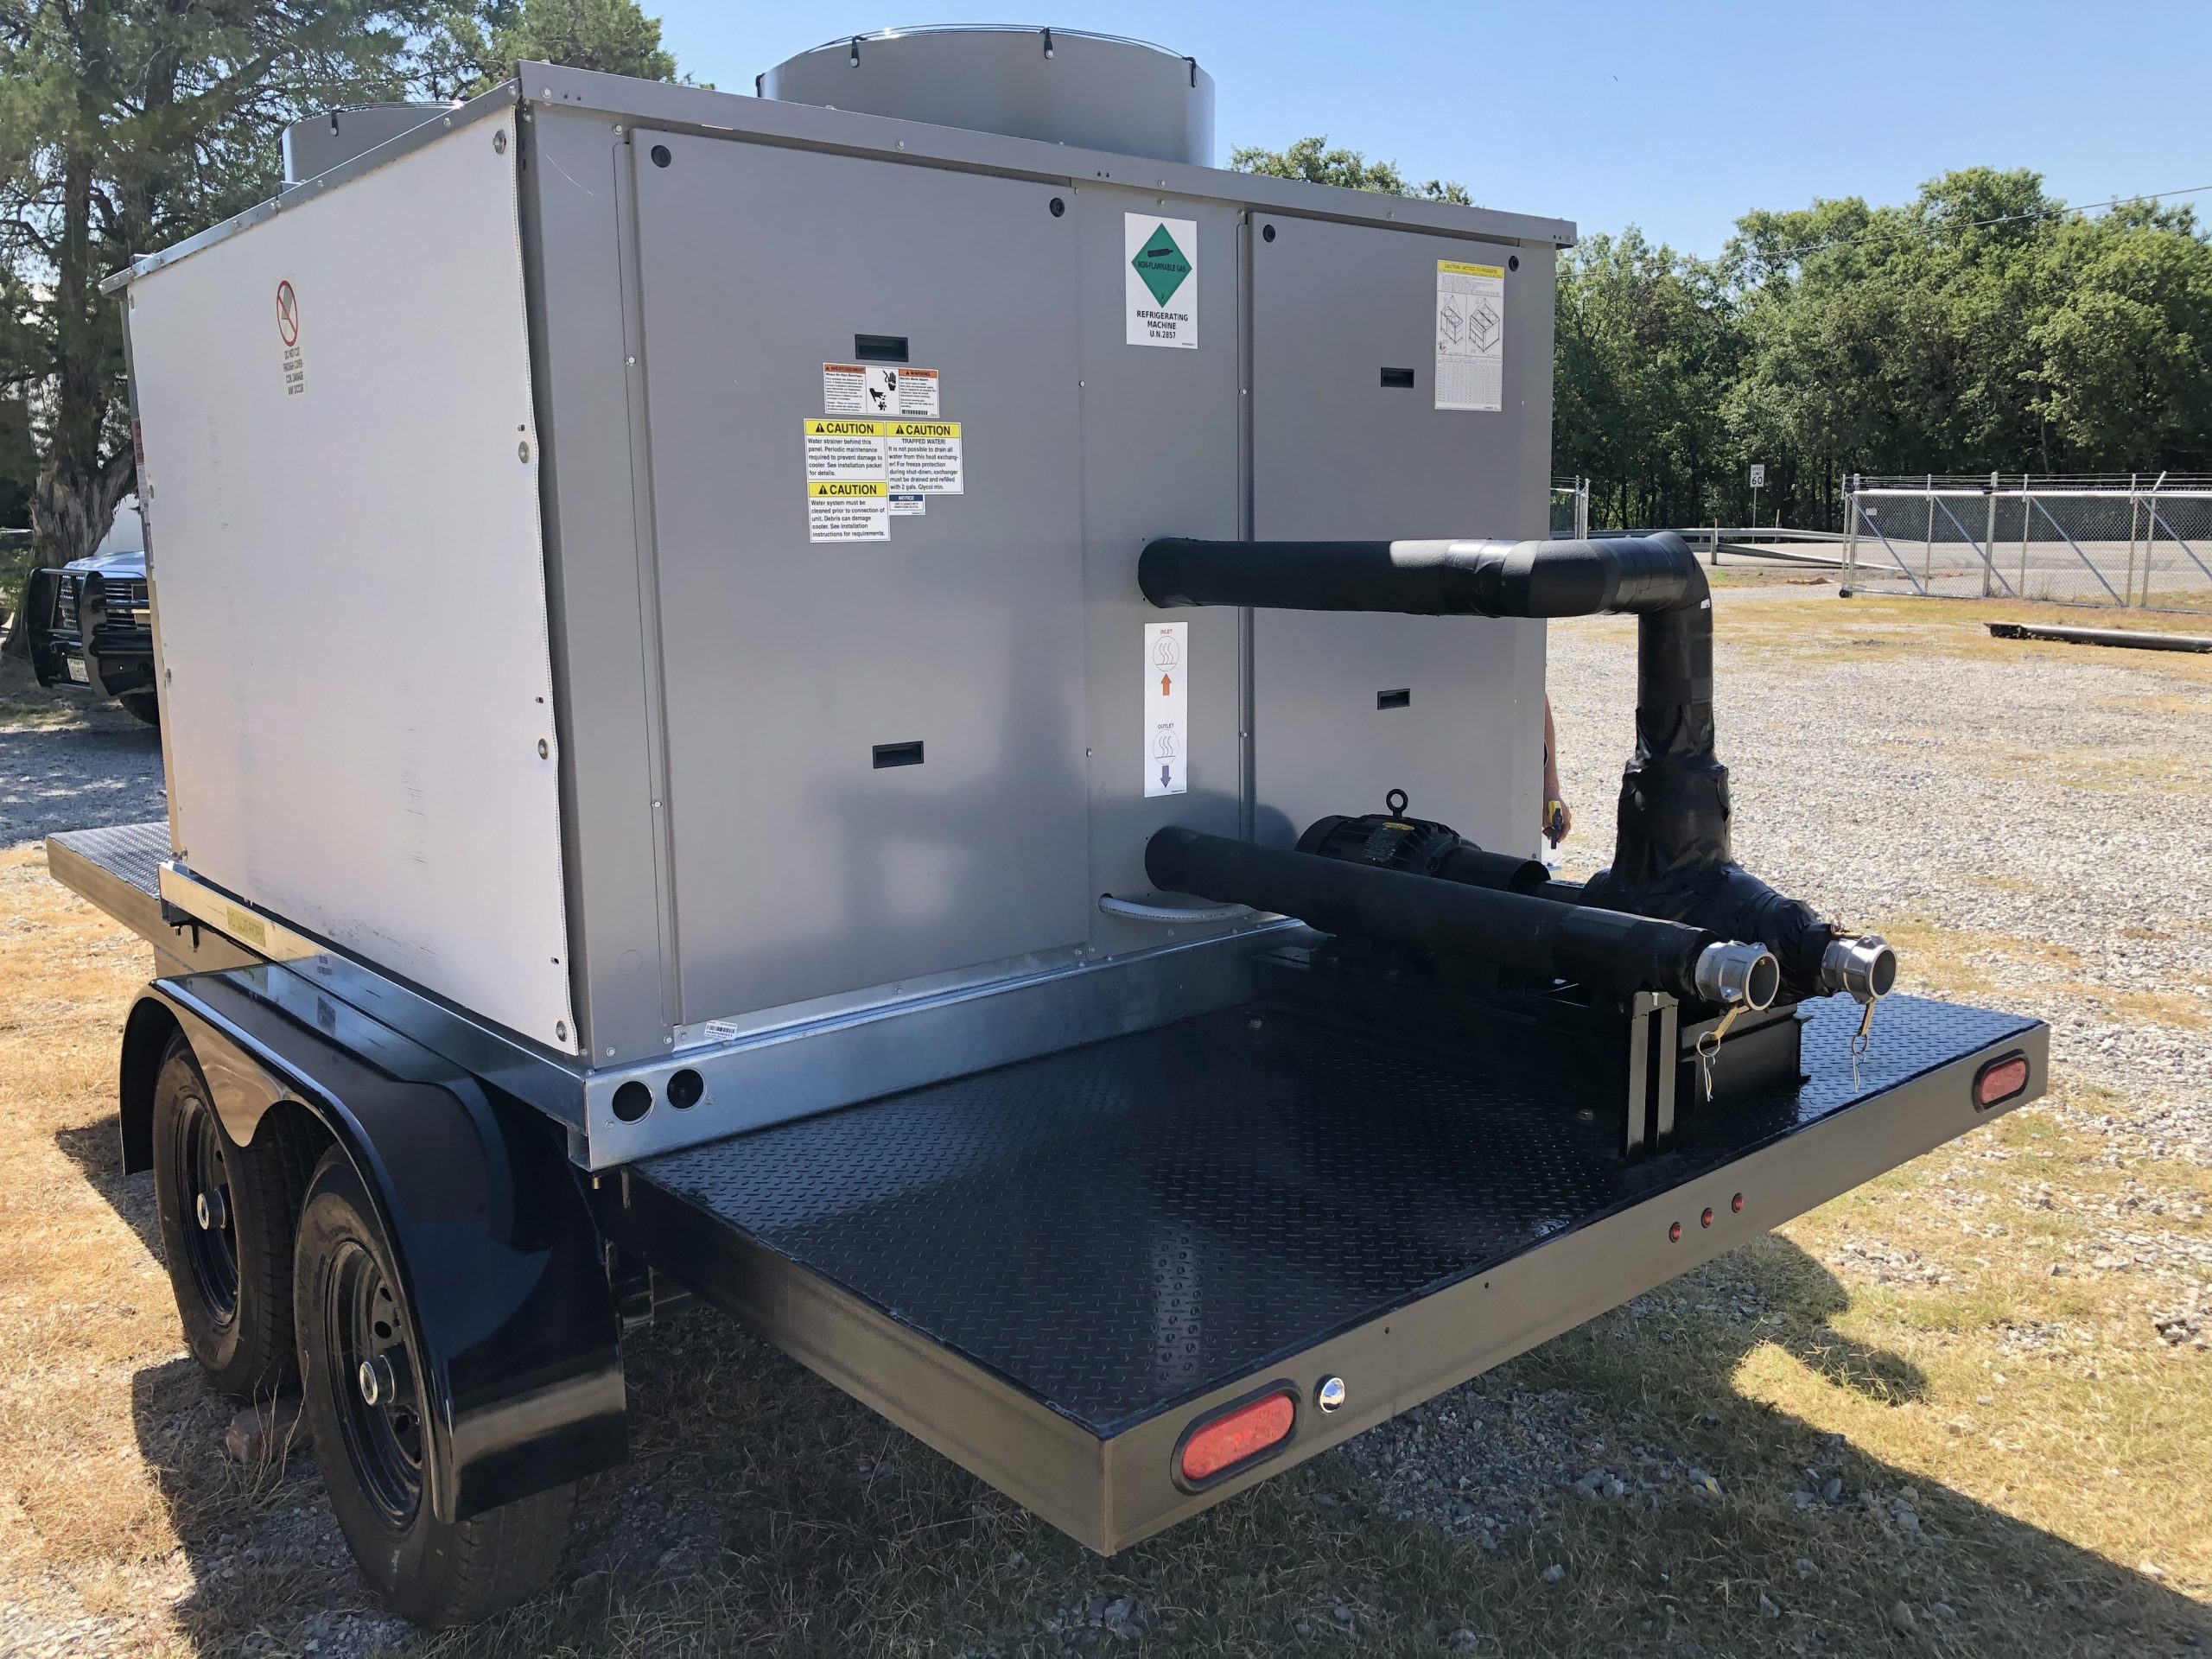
(361, 1391)
(227, 1213)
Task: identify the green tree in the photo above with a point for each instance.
(126, 125)
(2121, 380)
(475, 47)
(1644, 345)
(1311, 159)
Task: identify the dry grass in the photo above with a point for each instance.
(1908, 1341)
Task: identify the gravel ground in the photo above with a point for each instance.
(85, 764)
(1900, 789)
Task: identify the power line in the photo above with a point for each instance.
(2002, 218)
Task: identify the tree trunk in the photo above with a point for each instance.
(74, 500)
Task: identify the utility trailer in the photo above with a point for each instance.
(852, 799)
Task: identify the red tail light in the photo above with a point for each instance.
(1999, 1081)
(1225, 1443)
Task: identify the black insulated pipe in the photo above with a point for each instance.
(1671, 857)
(1540, 937)
(1673, 809)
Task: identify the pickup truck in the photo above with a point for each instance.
(91, 624)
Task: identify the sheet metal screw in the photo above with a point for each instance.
(1329, 1396)
(560, 1029)
(522, 450)
(544, 750)
(500, 141)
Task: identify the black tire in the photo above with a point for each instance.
(231, 1265)
(145, 705)
(351, 1311)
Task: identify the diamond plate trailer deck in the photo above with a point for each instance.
(1050, 1270)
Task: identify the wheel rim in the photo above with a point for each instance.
(364, 1326)
(211, 1252)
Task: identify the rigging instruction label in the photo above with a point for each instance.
(1160, 280)
(1470, 336)
(1167, 730)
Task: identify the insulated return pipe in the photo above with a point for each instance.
(1540, 937)
(1671, 858)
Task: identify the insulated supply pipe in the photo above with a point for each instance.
(1671, 857)
(1538, 937)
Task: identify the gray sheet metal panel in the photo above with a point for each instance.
(1337, 454)
(1160, 448)
(801, 870)
(611, 852)
(700, 109)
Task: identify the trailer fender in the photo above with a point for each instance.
(500, 1256)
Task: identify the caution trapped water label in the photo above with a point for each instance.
(877, 389)
(848, 510)
(1167, 730)
(1160, 280)
(1470, 336)
(924, 457)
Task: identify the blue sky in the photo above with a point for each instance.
(1677, 118)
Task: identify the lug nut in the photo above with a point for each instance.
(211, 1209)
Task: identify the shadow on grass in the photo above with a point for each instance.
(97, 1150)
(763, 1511)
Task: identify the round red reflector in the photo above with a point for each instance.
(1674, 1234)
(2001, 1080)
(1736, 1204)
(1237, 1436)
(1706, 1220)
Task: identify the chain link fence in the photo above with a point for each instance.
(2114, 542)
(1570, 509)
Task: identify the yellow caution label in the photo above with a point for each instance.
(923, 429)
(850, 486)
(817, 429)
(1457, 269)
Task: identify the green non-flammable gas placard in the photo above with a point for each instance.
(1159, 282)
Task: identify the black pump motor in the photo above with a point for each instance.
(1392, 840)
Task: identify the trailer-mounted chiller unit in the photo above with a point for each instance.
(899, 707)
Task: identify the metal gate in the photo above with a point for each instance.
(2131, 542)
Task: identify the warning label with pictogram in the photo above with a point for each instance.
(861, 388)
(1160, 280)
(1166, 731)
(1470, 336)
(288, 336)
